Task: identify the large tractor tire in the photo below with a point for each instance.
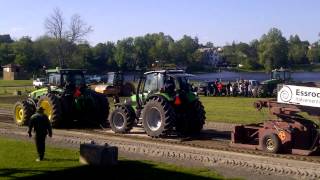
(122, 119)
(261, 92)
(192, 122)
(158, 117)
(275, 92)
(22, 111)
(104, 109)
(52, 108)
(271, 143)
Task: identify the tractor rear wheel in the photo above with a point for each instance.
(103, 110)
(157, 117)
(275, 92)
(22, 112)
(52, 108)
(122, 119)
(271, 143)
(192, 122)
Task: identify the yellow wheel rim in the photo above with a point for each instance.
(47, 108)
(19, 114)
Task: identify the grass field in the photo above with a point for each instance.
(15, 83)
(8, 87)
(232, 110)
(18, 162)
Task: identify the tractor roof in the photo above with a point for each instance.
(168, 71)
(58, 70)
(280, 70)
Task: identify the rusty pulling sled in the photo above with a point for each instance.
(286, 132)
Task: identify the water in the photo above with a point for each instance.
(260, 76)
(233, 76)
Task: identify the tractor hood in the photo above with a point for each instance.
(37, 93)
(270, 81)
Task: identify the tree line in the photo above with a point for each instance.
(64, 45)
(271, 51)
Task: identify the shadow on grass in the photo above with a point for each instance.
(124, 170)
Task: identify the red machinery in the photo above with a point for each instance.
(288, 132)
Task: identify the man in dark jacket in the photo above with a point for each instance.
(42, 127)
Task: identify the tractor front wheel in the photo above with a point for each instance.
(122, 119)
(22, 111)
(157, 117)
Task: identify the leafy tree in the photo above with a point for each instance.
(6, 54)
(297, 53)
(46, 47)
(82, 57)
(140, 51)
(123, 53)
(103, 57)
(25, 55)
(273, 50)
(313, 53)
(189, 46)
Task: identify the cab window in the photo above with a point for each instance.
(151, 83)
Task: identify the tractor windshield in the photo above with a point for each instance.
(72, 78)
(115, 78)
(280, 75)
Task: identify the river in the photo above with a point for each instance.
(233, 76)
(260, 76)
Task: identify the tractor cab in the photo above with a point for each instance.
(164, 82)
(61, 78)
(281, 74)
(268, 88)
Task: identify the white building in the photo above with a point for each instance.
(211, 56)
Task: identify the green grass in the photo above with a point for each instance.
(15, 82)
(11, 90)
(8, 87)
(18, 161)
(232, 110)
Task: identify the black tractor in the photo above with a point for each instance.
(164, 104)
(65, 100)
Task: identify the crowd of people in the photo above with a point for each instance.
(240, 87)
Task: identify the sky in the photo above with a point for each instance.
(218, 21)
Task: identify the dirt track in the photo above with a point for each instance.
(192, 153)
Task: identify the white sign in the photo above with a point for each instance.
(300, 95)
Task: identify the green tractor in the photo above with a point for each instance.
(65, 99)
(268, 88)
(164, 104)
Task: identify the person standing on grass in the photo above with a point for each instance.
(42, 127)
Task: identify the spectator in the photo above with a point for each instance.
(229, 88)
